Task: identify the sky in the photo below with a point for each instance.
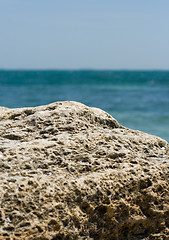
(90, 34)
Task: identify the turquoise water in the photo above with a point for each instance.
(137, 99)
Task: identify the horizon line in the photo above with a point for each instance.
(77, 69)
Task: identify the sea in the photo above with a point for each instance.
(136, 99)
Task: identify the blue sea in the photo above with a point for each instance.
(137, 99)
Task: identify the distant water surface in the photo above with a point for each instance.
(137, 99)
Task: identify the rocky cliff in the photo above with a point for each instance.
(68, 171)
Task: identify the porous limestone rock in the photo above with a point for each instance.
(68, 171)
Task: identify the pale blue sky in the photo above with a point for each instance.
(88, 34)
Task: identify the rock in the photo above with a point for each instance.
(68, 171)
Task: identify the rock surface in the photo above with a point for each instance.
(68, 171)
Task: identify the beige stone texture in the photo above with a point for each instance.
(71, 172)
